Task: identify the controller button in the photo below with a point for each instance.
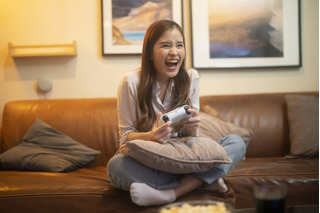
(186, 109)
(165, 118)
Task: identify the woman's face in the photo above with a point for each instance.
(168, 54)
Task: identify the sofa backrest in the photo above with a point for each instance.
(265, 114)
(92, 122)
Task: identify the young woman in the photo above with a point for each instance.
(161, 85)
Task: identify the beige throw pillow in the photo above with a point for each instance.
(303, 116)
(178, 156)
(216, 129)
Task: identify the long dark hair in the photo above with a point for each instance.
(181, 90)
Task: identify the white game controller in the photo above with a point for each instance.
(175, 115)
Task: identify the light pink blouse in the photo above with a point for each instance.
(128, 108)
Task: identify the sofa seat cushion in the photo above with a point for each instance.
(81, 191)
(300, 176)
(81, 181)
(84, 190)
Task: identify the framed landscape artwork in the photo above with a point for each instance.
(245, 34)
(124, 22)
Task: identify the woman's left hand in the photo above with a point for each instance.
(192, 124)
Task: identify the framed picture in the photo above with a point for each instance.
(125, 22)
(245, 34)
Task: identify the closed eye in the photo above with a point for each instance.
(165, 44)
(180, 44)
(168, 44)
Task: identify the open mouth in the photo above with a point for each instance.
(172, 63)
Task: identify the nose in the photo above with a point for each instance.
(173, 51)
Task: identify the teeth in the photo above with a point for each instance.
(172, 61)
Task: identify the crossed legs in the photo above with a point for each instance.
(151, 187)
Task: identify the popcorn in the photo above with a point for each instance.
(187, 208)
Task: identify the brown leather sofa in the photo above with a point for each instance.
(93, 122)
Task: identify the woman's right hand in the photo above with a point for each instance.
(162, 133)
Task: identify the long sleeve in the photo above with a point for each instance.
(127, 105)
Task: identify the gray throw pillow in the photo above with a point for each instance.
(303, 116)
(179, 155)
(45, 149)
